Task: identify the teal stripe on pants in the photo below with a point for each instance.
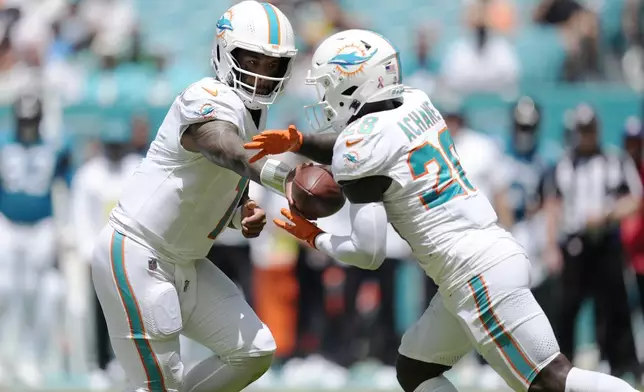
(501, 338)
(137, 328)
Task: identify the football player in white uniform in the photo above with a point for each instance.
(149, 267)
(396, 161)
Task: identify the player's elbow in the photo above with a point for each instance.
(370, 251)
(232, 160)
(376, 262)
(369, 259)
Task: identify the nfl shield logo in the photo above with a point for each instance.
(152, 264)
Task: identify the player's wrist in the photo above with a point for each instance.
(314, 238)
(274, 175)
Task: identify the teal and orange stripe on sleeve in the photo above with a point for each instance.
(149, 361)
(522, 366)
(274, 28)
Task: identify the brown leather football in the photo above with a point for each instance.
(315, 193)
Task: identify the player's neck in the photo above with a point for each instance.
(375, 107)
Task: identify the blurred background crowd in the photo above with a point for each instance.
(541, 96)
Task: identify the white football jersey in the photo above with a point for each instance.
(177, 202)
(450, 225)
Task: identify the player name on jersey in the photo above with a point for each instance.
(423, 119)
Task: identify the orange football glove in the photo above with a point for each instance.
(275, 142)
(300, 228)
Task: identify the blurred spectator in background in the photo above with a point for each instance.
(30, 283)
(633, 227)
(482, 61)
(632, 22)
(369, 296)
(74, 31)
(297, 88)
(593, 190)
(161, 93)
(27, 73)
(140, 127)
(501, 16)
(424, 75)
(71, 34)
(579, 27)
(312, 322)
(332, 14)
(95, 191)
(367, 327)
(114, 24)
(480, 156)
(526, 171)
(107, 89)
(633, 33)
(570, 137)
(8, 18)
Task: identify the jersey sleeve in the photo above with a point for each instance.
(357, 156)
(365, 149)
(209, 100)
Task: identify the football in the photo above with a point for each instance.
(315, 193)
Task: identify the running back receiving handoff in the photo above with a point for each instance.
(396, 162)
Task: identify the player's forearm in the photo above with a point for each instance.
(318, 147)
(625, 207)
(503, 210)
(221, 144)
(553, 210)
(343, 249)
(366, 246)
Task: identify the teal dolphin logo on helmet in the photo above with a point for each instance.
(224, 23)
(346, 60)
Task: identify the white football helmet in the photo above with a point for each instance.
(349, 69)
(256, 27)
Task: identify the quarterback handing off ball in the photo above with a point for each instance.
(315, 193)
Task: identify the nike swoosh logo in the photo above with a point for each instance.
(350, 143)
(214, 93)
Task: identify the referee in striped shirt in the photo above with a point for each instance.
(591, 190)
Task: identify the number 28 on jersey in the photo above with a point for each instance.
(442, 161)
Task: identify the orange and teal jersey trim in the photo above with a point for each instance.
(274, 30)
(516, 358)
(141, 340)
